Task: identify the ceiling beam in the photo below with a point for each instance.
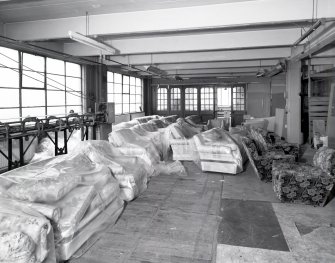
(198, 17)
(211, 80)
(229, 64)
(215, 70)
(197, 42)
(209, 56)
(322, 40)
(322, 61)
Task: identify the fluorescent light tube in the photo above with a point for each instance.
(93, 43)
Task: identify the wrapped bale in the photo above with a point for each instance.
(24, 234)
(131, 172)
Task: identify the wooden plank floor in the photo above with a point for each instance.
(175, 220)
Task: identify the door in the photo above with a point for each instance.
(238, 105)
(224, 105)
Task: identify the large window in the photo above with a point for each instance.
(125, 92)
(175, 99)
(207, 99)
(224, 98)
(162, 99)
(238, 98)
(191, 99)
(43, 86)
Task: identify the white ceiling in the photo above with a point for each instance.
(193, 38)
(29, 10)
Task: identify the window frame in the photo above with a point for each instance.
(127, 89)
(43, 77)
(191, 101)
(238, 98)
(160, 98)
(175, 99)
(209, 97)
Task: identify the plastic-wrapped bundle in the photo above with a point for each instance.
(74, 184)
(131, 144)
(26, 231)
(145, 119)
(131, 172)
(154, 137)
(219, 152)
(158, 123)
(169, 119)
(125, 125)
(108, 217)
(181, 140)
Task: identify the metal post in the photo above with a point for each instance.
(21, 151)
(56, 143)
(94, 135)
(65, 141)
(10, 153)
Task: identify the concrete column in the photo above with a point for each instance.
(293, 101)
(2, 33)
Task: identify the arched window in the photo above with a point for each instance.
(191, 99)
(207, 99)
(161, 99)
(175, 99)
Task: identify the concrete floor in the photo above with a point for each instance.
(309, 231)
(178, 219)
(175, 220)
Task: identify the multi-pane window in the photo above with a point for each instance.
(191, 99)
(162, 99)
(125, 92)
(63, 87)
(9, 84)
(207, 99)
(47, 87)
(175, 98)
(114, 90)
(238, 98)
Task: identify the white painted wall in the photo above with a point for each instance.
(258, 100)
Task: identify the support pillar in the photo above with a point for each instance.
(293, 101)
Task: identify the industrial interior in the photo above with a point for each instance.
(156, 131)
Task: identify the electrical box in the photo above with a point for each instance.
(108, 109)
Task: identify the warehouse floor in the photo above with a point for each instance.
(208, 217)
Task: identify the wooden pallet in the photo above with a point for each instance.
(317, 110)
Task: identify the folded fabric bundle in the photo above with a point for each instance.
(107, 195)
(50, 211)
(44, 190)
(73, 206)
(69, 246)
(134, 173)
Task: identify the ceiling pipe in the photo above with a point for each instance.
(309, 31)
